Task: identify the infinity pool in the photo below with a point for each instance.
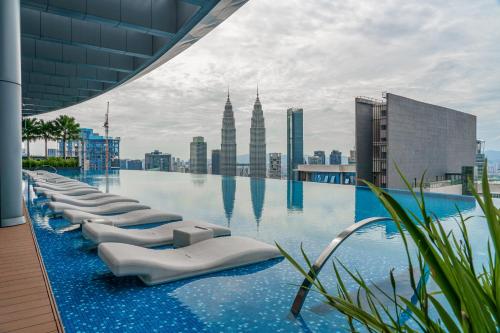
(252, 298)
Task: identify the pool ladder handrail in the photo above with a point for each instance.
(48, 166)
(303, 291)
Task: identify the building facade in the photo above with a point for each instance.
(228, 141)
(321, 155)
(352, 157)
(295, 141)
(335, 157)
(91, 150)
(198, 155)
(134, 165)
(257, 141)
(332, 174)
(480, 159)
(416, 136)
(157, 160)
(314, 160)
(216, 162)
(275, 165)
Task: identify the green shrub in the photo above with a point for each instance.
(468, 296)
(56, 162)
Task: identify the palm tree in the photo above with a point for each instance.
(68, 130)
(48, 131)
(31, 132)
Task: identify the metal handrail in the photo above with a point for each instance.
(300, 298)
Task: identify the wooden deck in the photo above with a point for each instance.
(26, 300)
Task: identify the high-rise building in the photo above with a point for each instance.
(52, 152)
(91, 150)
(257, 141)
(352, 157)
(321, 155)
(157, 160)
(134, 165)
(480, 159)
(295, 141)
(416, 136)
(228, 141)
(314, 160)
(335, 157)
(216, 162)
(275, 165)
(198, 155)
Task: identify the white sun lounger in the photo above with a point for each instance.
(64, 187)
(161, 235)
(107, 209)
(136, 217)
(159, 266)
(90, 196)
(94, 202)
(74, 192)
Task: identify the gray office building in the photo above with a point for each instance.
(275, 165)
(335, 157)
(157, 160)
(416, 136)
(198, 155)
(228, 141)
(216, 162)
(295, 141)
(257, 141)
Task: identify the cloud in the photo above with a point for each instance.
(317, 55)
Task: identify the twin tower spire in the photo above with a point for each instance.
(257, 141)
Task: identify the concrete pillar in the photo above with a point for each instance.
(11, 209)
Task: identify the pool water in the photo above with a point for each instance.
(252, 298)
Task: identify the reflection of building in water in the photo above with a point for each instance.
(442, 206)
(258, 192)
(199, 179)
(228, 194)
(295, 195)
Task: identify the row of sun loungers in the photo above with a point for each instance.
(198, 247)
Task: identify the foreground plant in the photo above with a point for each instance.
(468, 296)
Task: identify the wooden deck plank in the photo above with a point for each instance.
(26, 300)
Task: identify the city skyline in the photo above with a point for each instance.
(456, 68)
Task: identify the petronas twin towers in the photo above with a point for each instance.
(257, 141)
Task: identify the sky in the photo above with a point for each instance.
(318, 55)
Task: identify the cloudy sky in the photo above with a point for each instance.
(318, 55)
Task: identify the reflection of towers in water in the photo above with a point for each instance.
(258, 192)
(228, 194)
(295, 195)
(198, 179)
(228, 141)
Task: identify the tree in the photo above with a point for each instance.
(68, 130)
(31, 132)
(48, 131)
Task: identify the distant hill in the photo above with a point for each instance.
(493, 156)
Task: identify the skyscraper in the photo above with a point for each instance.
(257, 141)
(228, 141)
(158, 161)
(335, 157)
(295, 140)
(198, 155)
(321, 155)
(216, 162)
(275, 165)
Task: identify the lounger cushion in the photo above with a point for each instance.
(159, 266)
(161, 235)
(45, 192)
(94, 202)
(90, 196)
(112, 208)
(137, 217)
